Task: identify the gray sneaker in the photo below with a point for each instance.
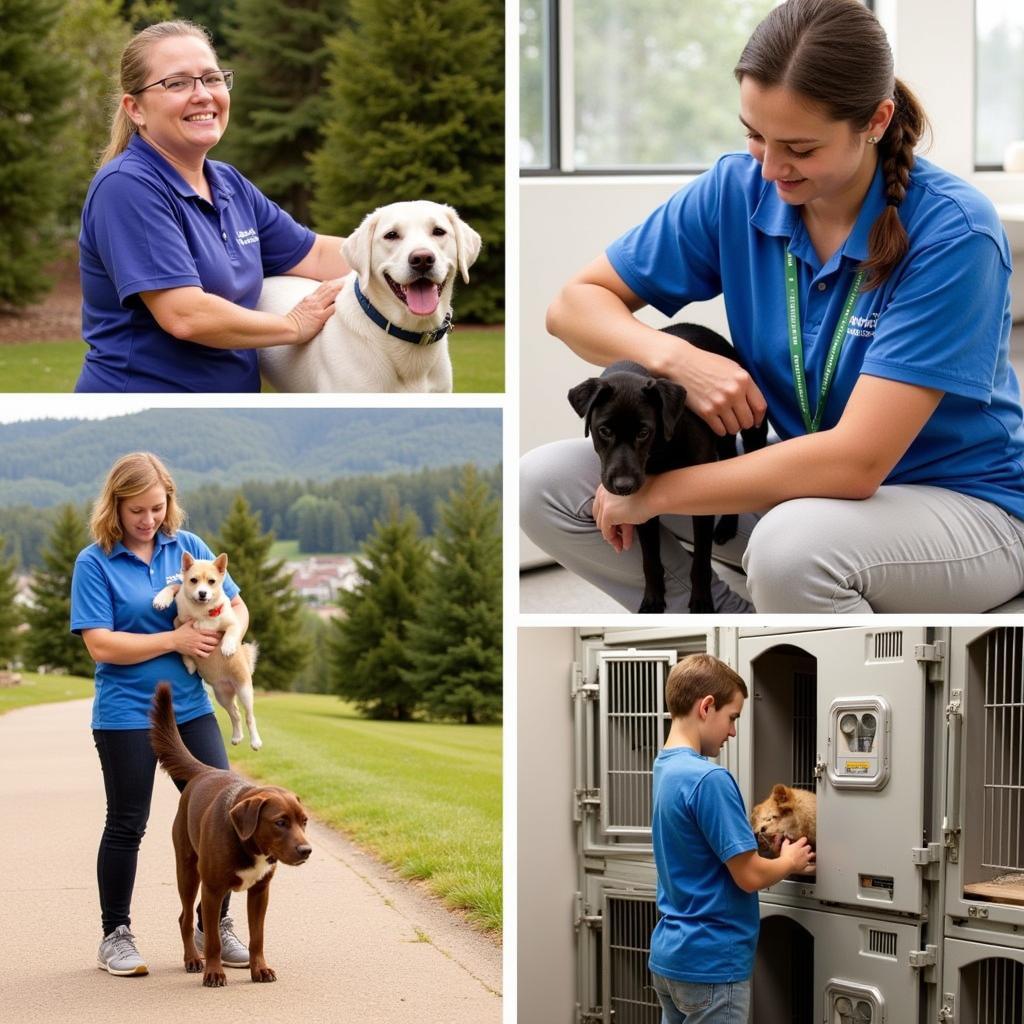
(118, 955)
(233, 952)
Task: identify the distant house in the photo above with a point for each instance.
(320, 578)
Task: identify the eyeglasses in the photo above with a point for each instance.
(213, 80)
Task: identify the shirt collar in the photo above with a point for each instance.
(772, 216)
(162, 540)
(141, 148)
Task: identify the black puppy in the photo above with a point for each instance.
(640, 425)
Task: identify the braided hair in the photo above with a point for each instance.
(835, 53)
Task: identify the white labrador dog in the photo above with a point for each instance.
(390, 323)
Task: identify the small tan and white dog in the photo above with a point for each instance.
(787, 813)
(390, 324)
(228, 668)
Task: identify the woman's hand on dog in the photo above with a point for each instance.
(310, 315)
(192, 642)
(720, 391)
(616, 515)
(800, 856)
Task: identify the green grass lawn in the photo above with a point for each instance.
(424, 798)
(478, 358)
(36, 689)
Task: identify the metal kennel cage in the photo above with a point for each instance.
(850, 714)
(984, 824)
(982, 984)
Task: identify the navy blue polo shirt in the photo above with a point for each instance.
(116, 592)
(941, 320)
(143, 229)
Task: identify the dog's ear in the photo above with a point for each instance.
(672, 399)
(467, 243)
(186, 561)
(780, 794)
(245, 815)
(583, 397)
(358, 246)
(221, 562)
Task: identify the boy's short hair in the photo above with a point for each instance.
(697, 676)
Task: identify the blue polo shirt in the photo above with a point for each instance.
(143, 229)
(708, 927)
(116, 592)
(941, 320)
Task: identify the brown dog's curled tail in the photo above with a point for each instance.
(166, 740)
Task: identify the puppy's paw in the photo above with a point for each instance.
(214, 979)
(652, 605)
(726, 529)
(700, 605)
(255, 742)
(194, 965)
(229, 646)
(262, 975)
(236, 738)
(163, 599)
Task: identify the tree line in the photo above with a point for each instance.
(334, 113)
(420, 634)
(324, 516)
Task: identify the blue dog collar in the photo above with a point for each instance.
(427, 338)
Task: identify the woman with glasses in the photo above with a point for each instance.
(867, 293)
(174, 246)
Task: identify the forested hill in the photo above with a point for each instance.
(49, 462)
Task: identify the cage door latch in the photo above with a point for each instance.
(923, 957)
(819, 768)
(946, 1013)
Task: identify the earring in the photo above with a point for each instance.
(872, 140)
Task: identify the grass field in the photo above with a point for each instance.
(478, 357)
(424, 798)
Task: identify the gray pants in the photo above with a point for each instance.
(909, 548)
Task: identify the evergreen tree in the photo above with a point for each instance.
(279, 53)
(370, 648)
(49, 640)
(10, 614)
(456, 642)
(274, 608)
(33, 84)
(417, 111)
(89, 38)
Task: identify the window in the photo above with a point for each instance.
(537, 76)
(1000, 79)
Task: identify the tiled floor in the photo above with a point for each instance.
(553, 589)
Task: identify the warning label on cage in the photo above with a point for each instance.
(857, 767)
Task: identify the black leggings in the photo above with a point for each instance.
(129, 765)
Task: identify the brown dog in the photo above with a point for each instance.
(787, 813)
(228, 834)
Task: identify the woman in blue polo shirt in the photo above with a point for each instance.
(137, 551)
(174, 247)
(868, 295)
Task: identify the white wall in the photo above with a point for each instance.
(546, 870)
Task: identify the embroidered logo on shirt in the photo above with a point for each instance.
(174, 578)
(863, 326)
(247, 237)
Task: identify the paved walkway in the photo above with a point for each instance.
(349, 941)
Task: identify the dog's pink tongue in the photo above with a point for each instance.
(422, 297)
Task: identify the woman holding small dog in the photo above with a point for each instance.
(136, 524)
(867, 293)
(174, 247)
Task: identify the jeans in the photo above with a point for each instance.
(129, 766)
(698, 1002)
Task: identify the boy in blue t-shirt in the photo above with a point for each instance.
(709, 870)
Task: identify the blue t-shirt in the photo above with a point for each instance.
(941, 320)
(116, 592)
(709, 925)
(143, 229)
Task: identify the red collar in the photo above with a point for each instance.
(216, 611)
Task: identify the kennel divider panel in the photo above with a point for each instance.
(853, 956)
(986, 982)
(984, 815)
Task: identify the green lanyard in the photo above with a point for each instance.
(796, 348)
